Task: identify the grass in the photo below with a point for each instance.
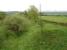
(54, 37)
(61, 19)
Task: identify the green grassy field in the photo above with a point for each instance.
(53, 37)
(61, 19)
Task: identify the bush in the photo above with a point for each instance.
(2, 15)
(12, 27)
(16, 25)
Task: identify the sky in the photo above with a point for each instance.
(22, 5)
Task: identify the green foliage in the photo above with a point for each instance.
(25, 13)
(32, 13)
(2, 15)
(13, 27)
(16, 24)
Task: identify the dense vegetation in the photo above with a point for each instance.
(28, 31)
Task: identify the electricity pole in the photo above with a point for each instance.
(41, 24)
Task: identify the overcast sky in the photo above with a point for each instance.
(21, 5)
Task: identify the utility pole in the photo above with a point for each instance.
(41, 24)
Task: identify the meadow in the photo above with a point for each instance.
(52, 37)
(61, 19)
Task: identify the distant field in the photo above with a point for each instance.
(60, 19)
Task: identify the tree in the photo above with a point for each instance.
(33, 13)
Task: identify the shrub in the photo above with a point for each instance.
(2, 15)
(12, 27)
(16, 25)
